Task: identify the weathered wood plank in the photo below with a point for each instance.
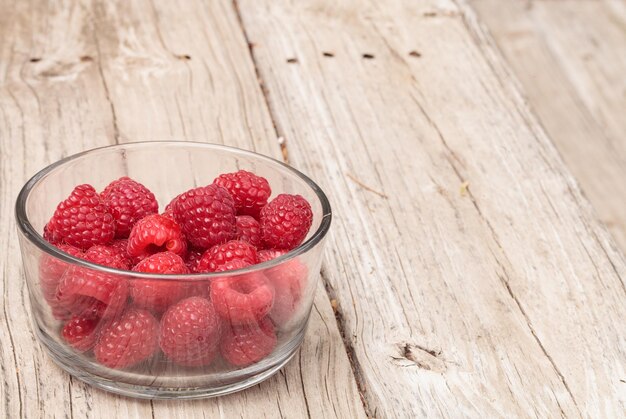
(76, 75)
(472, 277)
(570, 57)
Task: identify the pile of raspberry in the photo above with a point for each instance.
(125, 321)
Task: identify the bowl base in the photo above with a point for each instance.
(127, 389)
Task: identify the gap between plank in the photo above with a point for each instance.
(481, 37)
(496, 240)
(348, 347)
(116, 131)
(282, 142)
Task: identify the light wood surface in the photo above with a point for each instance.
(491, 299)
(469, 275)
(570, 57)
(132, 84)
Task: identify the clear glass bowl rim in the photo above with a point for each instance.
(36, 238)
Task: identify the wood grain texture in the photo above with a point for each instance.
(570, 57)
(77, 75)
(471, 276)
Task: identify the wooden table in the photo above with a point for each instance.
(466, 273)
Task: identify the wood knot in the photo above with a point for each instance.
(412, 354)
(440, 13)
(334, 305)
(60, 70)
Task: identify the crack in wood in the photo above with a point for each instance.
(364, 186)
(497, 242)
(12, 342)
(536, 338)
(348, 347)
(357, 370)
(431, 352)
(440, 13)
(70, 383)
(306, 400)
(420, 356)
(266, 95)
(282, 143)
(597, 239)
(107, 94)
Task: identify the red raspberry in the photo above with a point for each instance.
(249, 343)
(232, 265)
(80, 331)
(129, 201)
(169, 213)
(47, 235)
(243, 298)
(289, 280)
(269, 254)
(122, 246)
(206, 215)
(110, 256)
(82, 220)
(249, 230)
(217, 256)
(193, 257)
(82, 288)
(169, 208)
(249, 191)
(285, 221)
(199, 287)
(129, 340)
(158, 295)
(51, 270)
(162, 263)
(190, 332)
(154, 234)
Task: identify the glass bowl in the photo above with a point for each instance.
(167, 169)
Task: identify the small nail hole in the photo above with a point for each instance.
(292, 60)
(184, 57)
(368, 56)
(328, 54)
(35, 60)
(415, 54)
